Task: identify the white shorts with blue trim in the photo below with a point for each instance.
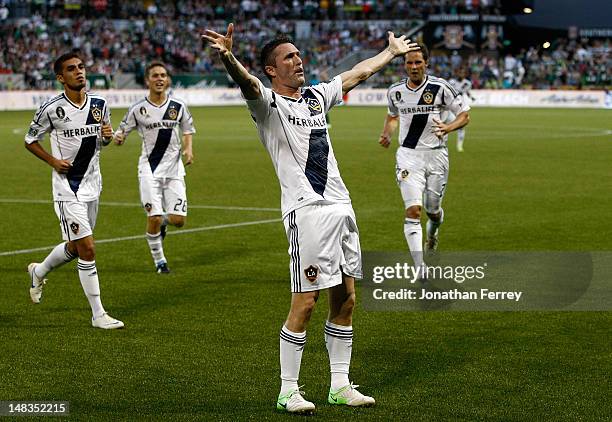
(323, 245)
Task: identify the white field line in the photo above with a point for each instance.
(128, 204)
(141, 236)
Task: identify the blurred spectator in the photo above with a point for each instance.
(122, 36)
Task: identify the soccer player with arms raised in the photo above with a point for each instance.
(78, 124)
(319, 220)
(415, 104)
(161, 120)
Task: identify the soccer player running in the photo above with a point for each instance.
(415, 104)
(79, 124)
(160, 119)
(316, 207)
(464, 87)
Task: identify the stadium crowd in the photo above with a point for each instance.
(120, 37)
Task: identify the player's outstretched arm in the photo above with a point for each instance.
(249, 85)
(363, 70)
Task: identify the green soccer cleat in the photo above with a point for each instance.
(293, 402)
(349, 396)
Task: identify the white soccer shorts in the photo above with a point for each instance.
(323, 244)
(159, 195)
(77, 219)
(422, 176)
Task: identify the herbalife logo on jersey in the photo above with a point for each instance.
(81, 131)
(300, 121)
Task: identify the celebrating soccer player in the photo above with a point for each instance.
(319, 220)
(160, 118)
(79, 124)
(422, 157)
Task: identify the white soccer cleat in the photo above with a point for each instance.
(349, 396)
(36, 286)
(106, 322)
(293, 402)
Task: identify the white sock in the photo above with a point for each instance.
(460, 138)
(58, 257)
(88, 274)
(339, 342)
(156, 248)
(433, 226)
(291, 348)
(414, 236)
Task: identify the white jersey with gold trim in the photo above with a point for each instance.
(75, 134)
(418, 107)
(160, 129)
(294, 131)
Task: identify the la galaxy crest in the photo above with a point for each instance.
(96, 113)
(428, 97)
(311, 273)
(60, 113)
(74, 227)
(143, 111)
(313, 105)
(172, 113)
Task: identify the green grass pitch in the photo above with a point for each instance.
(202, 343)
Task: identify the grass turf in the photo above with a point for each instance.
(202, 343)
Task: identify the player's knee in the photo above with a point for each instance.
(176, 220)
(87, 251)
(413, 211)
(155, 219)
(434, 216)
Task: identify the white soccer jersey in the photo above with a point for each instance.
(418, 107)
(76, 136)
(160, 129)
(294, 131)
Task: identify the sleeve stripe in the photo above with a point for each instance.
(45, 106)
(446, 84)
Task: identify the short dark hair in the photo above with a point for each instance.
(58, 66)
(155, 64)
(424, 50)
(266, 58)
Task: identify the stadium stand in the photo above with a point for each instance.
(119, 37)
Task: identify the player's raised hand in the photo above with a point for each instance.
(400, 46)
(438, 128)
(384, 140)
(119, 137)
(221, 43)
